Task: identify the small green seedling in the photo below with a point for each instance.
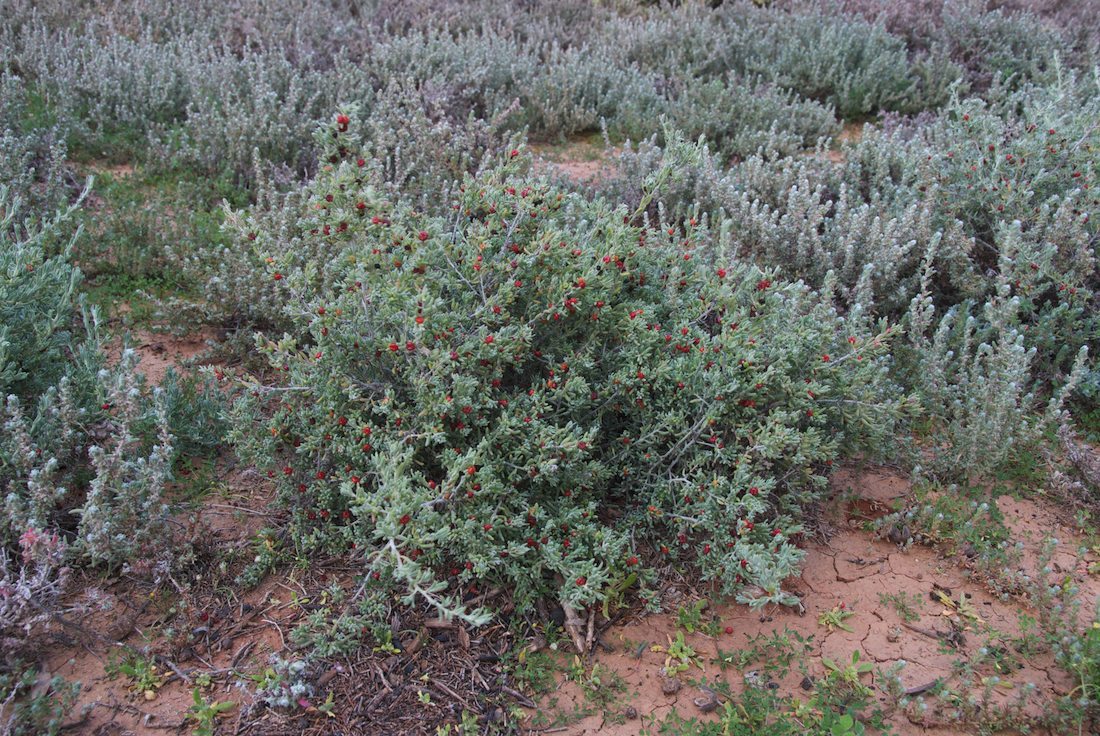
(205, 715)
(835, 618)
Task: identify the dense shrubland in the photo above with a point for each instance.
(472, 374)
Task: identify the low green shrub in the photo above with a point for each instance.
(87, 449)
(537, 393)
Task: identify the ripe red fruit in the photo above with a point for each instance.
(489, 340)
(360, 163)
(632, 561)
(423, 235)
(278, 276)
(754, 491)
(763, 284)
(420, 319)
(729, 629)
(582, 580)
(721, 273)
(342, 119)
(394, 347)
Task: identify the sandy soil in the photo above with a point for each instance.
(853, 568)
(160, 351)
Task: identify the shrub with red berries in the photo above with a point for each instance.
(572, 395)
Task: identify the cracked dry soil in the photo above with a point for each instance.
(855, 568)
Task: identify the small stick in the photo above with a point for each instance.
(919, 689)
(172, 666)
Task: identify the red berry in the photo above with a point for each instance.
(404, 520)
(582, 580)
(729, 629)
(278, 276)
(423, 235)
